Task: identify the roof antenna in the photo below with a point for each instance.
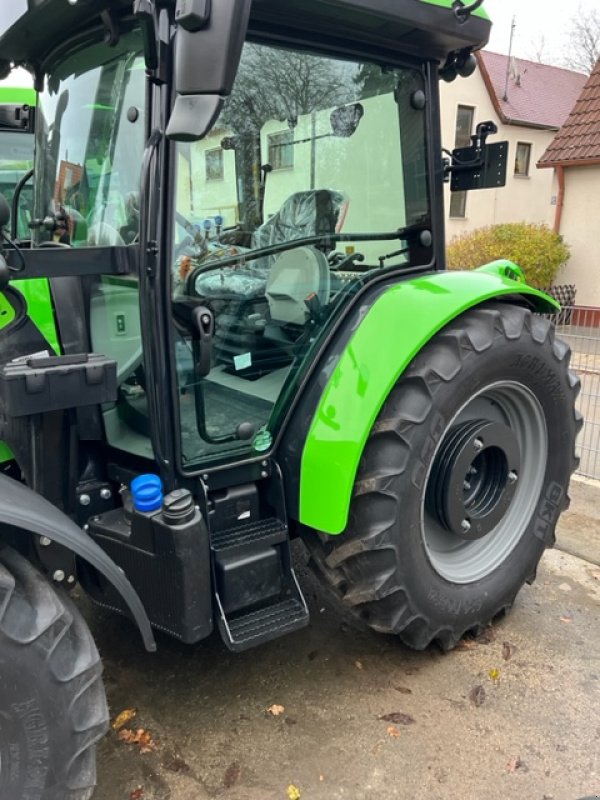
(512, 33)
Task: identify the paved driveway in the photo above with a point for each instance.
(513, 715)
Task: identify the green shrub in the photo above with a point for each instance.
(535, 248)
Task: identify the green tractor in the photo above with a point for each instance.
(250, 336)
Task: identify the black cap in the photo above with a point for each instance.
(178, 507)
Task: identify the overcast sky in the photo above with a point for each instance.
(550, 19)
(535, 19)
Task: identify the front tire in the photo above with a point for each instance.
(52, 703)
(462, 480)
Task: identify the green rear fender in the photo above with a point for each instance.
(399, 323)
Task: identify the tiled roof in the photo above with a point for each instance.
(537, 95)
(578, 141)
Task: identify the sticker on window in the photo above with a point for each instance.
(243, 361)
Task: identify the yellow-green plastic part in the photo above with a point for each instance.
(397, 326)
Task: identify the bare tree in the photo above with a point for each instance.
(584, 41)
(274, 84)
(278, 84)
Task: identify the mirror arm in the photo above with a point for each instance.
(14, 211)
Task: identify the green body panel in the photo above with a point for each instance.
(395, 329)
(13, 96)
(480, 12)
(39, 306)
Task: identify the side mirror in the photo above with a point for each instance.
(208, 48)
(4, 212)
(344, 120)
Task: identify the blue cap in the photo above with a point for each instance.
(146, 491)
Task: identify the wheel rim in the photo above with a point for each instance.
(484, 482)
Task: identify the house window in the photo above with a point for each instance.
(522, 159)
(462, 138)
(281, 150)
(214, 164)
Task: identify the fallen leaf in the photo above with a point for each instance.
(568, 617)
(358, 664)
(397, 717)
(232, 775)
(321, 778)
(477, 695)
(137, 794)
(514, 764)
(494, 674)
(293, 792)
(403, 689)
(275, 710)
(377, 748)
(486, 636)
(508, 650)
(123, 718)
(393, 731)
(141, 738)
(466, 644)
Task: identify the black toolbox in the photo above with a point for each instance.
(40, 384)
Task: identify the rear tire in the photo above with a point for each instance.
(52, 703)
(461, 482)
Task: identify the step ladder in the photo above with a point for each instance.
(257, 595)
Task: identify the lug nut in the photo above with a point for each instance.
(465, 526)
(478, 444)
(59, 576)
(105, 493)
(45, 541)
(71, 579)
(466, 486)
(512, 476)
(84, 500)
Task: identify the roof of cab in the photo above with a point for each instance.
(31, 29)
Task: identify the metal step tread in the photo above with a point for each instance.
(277, 618)
(250, 533)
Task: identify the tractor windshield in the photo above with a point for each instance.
(308, 185)
(90, 141)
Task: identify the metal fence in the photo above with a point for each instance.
(579, 326)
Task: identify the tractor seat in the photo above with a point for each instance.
(303, 214)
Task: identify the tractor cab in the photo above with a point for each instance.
(248, 335)
(313, 176)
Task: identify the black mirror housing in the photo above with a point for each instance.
(4, 212)
(208, 47)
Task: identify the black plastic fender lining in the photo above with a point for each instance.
(23, 508)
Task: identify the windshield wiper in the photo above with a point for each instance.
(324, 240)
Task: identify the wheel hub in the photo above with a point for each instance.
(474, 478)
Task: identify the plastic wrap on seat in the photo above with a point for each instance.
(311, 213)
(303, 214)
(245, 281)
